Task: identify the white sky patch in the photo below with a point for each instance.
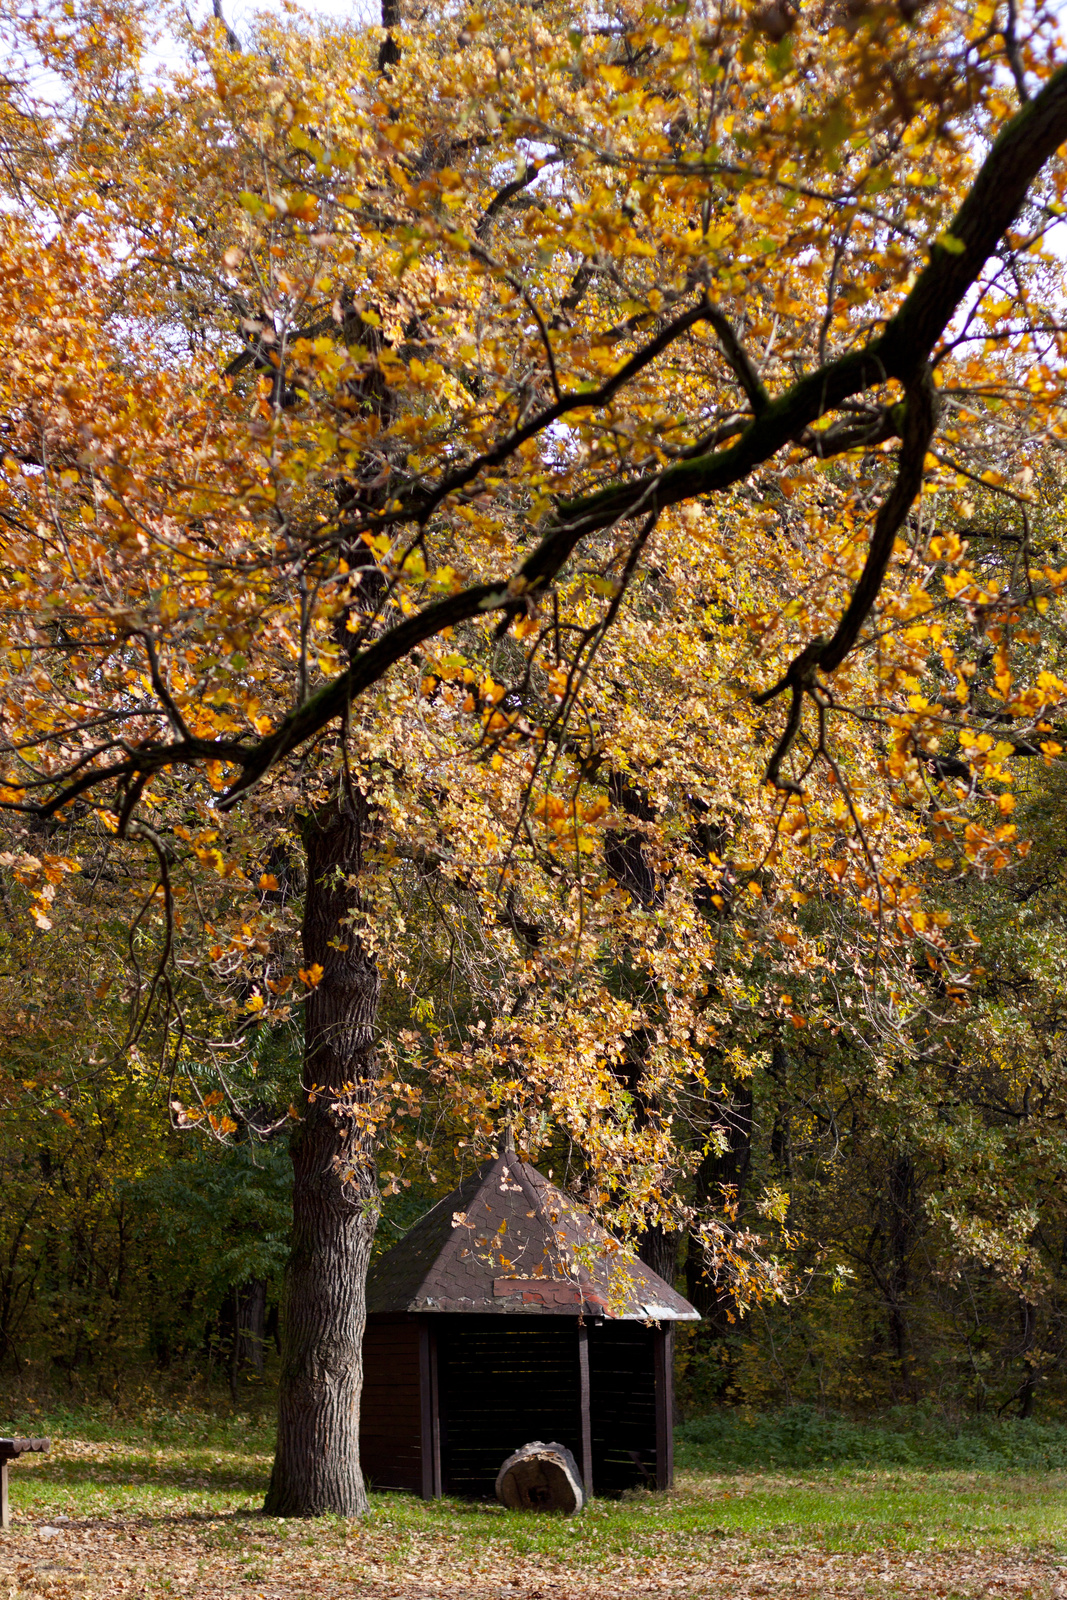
(241, 14)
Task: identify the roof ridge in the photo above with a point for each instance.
(535, 1200)
(457, 1233)
(581, 1216)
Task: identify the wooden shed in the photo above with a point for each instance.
(505, 1316)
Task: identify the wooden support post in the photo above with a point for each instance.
(663, 1357)
(10, 1450)
(435, 1417)
(430, 1413)
(585, 1410)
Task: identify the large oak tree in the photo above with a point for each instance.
(462, 442)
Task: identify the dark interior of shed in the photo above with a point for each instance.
(509, 1383)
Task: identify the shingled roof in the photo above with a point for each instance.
(508, 1241)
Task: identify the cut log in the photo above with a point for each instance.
(541, 1477)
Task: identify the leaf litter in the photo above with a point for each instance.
(216, 1558)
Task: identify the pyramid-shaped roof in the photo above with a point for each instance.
(508, 1241)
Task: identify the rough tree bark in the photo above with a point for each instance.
(316, 1466)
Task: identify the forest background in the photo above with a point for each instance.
(800, 1040)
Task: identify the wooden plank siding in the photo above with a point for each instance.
(447, 1399)
(503, 1385)
(391, 1412)
(622, 1385)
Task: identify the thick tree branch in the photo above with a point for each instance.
(905, 345)
(824, 655)
(233, 43)
(920, 416)
(529, 174)
(424, 503)
(1014, 55)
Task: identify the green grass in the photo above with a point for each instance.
(833, 1511)
(143, 1460)
(834, 1487)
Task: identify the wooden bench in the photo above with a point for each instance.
(10, 1450)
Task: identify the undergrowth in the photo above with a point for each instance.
(802, 1436)
(723, 1441)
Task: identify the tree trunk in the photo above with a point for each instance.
(335, 1210)
(251, 1323)
(718, 1171)
(902, 1220)
(658, 1249)
(249, 1309)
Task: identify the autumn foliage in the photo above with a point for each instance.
(619, 460)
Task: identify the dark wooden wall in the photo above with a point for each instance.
(503, 1383)
(446, 1399)
(622, 1405)
(391, 1420)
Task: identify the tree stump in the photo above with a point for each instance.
(541, 1477)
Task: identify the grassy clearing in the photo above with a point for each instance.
(172, 1501)
(905, 1484)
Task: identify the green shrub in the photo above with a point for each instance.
(802, 1436)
